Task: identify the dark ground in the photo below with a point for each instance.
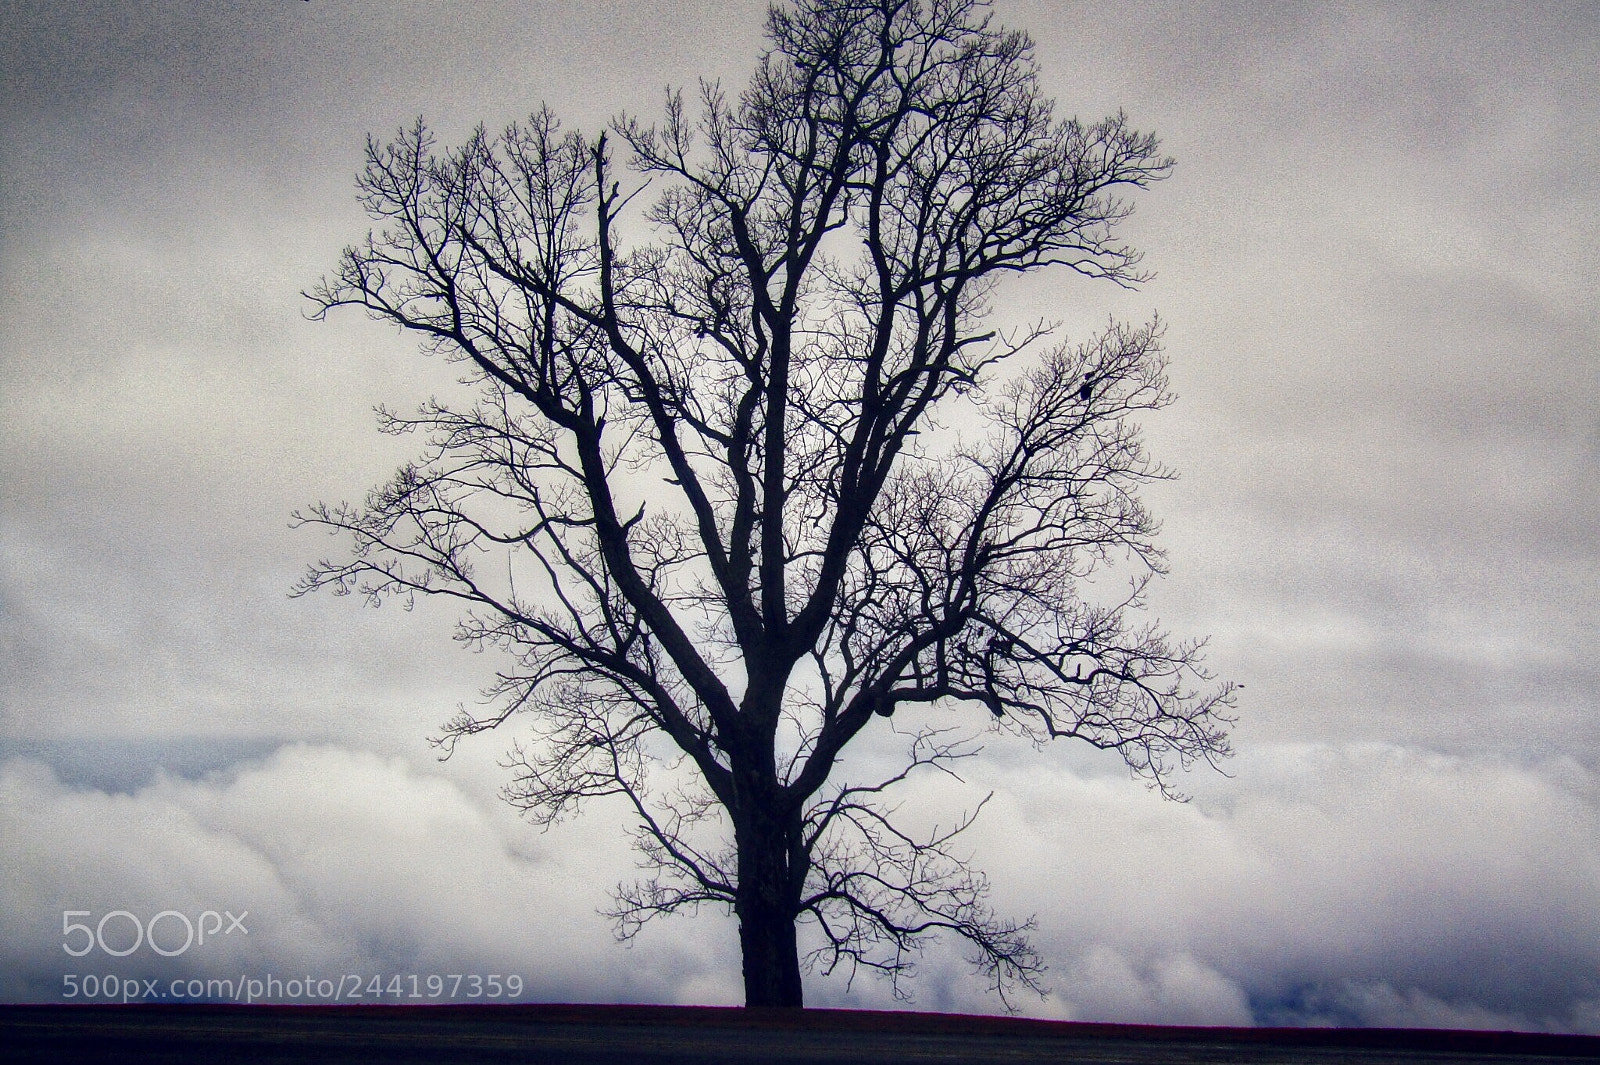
(592, 1035)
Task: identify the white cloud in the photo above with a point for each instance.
(1473, 882)
(1103, 985)
(347, 863)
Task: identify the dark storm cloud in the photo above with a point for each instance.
(1376, 260)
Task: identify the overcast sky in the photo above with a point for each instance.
(1377, 258)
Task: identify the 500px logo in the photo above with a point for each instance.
(208, 923)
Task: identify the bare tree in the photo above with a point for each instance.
(689, 499)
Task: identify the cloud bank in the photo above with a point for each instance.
(1365, 885)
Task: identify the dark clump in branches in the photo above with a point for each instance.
(690, 502)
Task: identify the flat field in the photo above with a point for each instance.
(659, 1035)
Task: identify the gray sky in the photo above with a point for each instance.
(1377, 261)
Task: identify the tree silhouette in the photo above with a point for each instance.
(700, 498)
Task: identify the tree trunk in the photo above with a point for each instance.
(771, 959)
(766, 908)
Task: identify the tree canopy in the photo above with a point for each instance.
(743, 467)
